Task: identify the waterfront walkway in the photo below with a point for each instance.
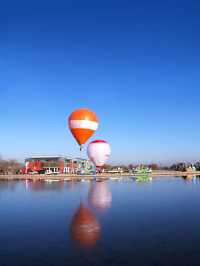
(70, 177)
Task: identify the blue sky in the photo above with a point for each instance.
(135, 63)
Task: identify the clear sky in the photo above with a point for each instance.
(135, 63)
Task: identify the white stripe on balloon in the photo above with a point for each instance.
(87, 124)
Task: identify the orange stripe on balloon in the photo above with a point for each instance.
(83, 114)
(81, 134)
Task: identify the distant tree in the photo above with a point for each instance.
(165, 167)
(153, 166)
(197, 166)
(182, 167)
(9, 166)
(130, 166)
(3, 166)
(107, 167)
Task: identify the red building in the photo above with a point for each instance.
(54, 164)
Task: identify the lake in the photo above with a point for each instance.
(100, 223)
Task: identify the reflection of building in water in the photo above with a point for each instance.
(42, 185)
(55, 164)
(189, 177)
(100, 195)
(8, 185)
(85, 228)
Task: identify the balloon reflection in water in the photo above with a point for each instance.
(85, 228)
(100, 195)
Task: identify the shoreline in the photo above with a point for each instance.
(74, 177)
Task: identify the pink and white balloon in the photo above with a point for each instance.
(99, 152)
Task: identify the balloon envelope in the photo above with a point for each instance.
(99, 151)
(82, 124)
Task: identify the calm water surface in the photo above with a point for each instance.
(103, 223)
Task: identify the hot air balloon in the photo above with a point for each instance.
(98, 151)
(85, 228)
(100, 196)
(83, 123)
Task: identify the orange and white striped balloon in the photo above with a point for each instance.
(83, 123)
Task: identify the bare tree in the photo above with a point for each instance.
(9, 166)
